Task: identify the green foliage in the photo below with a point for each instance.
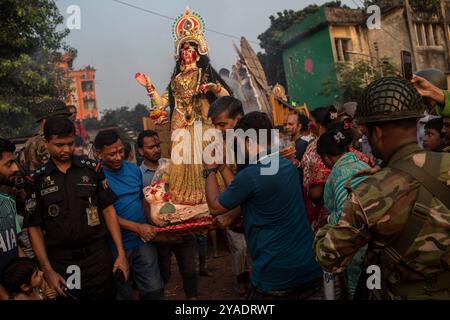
(30, 46)
(428, 6)
(270, 40)
(354, 78)
(131, 119)
(91, 124)
(421, 6)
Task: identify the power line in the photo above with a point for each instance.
(223, 33)
(354, 2)
(173, 19)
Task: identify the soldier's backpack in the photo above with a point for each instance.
(430, 187)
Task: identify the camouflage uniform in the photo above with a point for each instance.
(35, 155)
(376, 214)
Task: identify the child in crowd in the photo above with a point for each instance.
(24, 281)
(433, 140)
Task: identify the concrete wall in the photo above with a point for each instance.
(313, 63)
(392, 38)
(357, 34)
(395, 36)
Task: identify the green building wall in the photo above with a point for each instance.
(307, 48)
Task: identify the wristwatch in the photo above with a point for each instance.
(207, 172)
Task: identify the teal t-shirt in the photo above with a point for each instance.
(278, 235)
(9, 229)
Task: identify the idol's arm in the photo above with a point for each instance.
(158, 101)
(220, 91)
(215, 88)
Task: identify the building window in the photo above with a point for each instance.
(419, 34)
(343, 47)
(427, 34)
(89, 103)
(87, 86)
(291, 67)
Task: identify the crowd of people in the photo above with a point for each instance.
(342, 202)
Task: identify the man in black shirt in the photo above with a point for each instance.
(69, 209)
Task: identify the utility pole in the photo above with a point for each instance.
(380, 67)
(408, 13)
(445, 23)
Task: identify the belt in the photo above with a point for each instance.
(76, 253)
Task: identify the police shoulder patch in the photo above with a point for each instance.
(86, 162)
(34, 175)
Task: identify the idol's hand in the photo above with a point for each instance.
(206, 87)
(143, 79)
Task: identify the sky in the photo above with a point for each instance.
(118, 40)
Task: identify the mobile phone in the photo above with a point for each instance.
(407, 64)
(119, 276)
(68, 294)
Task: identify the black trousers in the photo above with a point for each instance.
(185, 253)
(95, 263)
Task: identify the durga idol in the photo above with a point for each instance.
(194, 85)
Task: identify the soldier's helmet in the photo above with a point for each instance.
(388, 99)
(435, 76)
(51, 107)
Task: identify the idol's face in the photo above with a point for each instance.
(188, 53)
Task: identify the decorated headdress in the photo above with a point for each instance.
(189, 27)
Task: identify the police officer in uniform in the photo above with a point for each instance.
(34, 154)
(69, 209)
(402, 211)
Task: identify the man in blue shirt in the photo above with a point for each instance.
(133, 211)
(276, 227)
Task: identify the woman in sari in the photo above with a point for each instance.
(346, 171)
(315, 172)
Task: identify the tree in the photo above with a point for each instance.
(131, 119)
(421, 6)
(354, 78)
(270, 40)
(30, 51)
